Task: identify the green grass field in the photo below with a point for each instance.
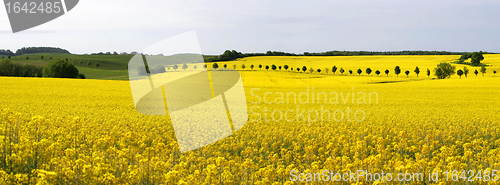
(112, 67)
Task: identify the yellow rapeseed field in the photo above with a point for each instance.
(73, 131)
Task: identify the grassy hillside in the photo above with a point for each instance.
(112, 67)
(107, 62)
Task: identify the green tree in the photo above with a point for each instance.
(205, 66)
(311, 70)
(96, 65)
(350, 72)
(460, 73)
(359, 72)
(483, 70)
(260, 66)
(318, 70)
(298, 69)
(417, 71)
(286, 67)
(494, 72)
(19, 70)
(476, 72)
(476, 58)
(326, 70)
(334, 69)
(27, 58)
(387, 72)
(234, 66)
(304, 68)
(60, 69)
(428, 73)
(251, 67)
(368, 71)
(466, 71)
(407, 73)
(88, 63)
(157, 69)
(41, 57)
(444, 70)
(184, 66)
(397, 71)
(175, 67)
(195, 67)
(225, 65)
(267, 67)
(215, 66)
(81, 76)
(341, 71)
(377, 72)
(279, 67)
(81, 62)
(273, 67)
(243, 66)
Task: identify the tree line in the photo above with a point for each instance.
(8, 68)
(229, 55)
(30, 50)
(475, 59)
(7, 52)
(54, 69)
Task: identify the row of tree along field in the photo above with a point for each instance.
(442, 71)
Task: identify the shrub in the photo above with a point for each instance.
(60, 69)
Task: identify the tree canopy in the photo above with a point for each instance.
(60, 69)
(29, 50)
(444, 70)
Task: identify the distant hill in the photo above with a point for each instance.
(31, 50)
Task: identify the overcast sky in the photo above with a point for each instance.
(262, 25)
